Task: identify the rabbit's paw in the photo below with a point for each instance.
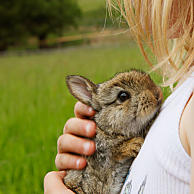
(73, 181)
(76, 189)
(129, 149)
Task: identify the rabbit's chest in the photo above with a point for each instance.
(105, 148)
(103, 163)
(103, 157)
(109, 175)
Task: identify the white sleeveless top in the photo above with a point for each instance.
(162, 165)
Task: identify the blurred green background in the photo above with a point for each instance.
(34, 101)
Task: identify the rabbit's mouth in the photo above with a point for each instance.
(147, 110)
(145, 122)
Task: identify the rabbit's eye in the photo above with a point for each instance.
(122, 96)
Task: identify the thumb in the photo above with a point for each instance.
(53, 183)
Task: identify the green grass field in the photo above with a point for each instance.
(35, 104)
(88, 5)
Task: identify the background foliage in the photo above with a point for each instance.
(20, 19)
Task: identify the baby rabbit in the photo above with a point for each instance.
(125, 107)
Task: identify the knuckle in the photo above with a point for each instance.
(60, 142)
(70, 120)
(68, 124)
(77, 107)
(56, 160)
(65, 128)
(48, 176)
(59, 161)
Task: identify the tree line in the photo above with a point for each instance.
(21, 19)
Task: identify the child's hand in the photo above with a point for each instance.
(71, 145)
(74, 143)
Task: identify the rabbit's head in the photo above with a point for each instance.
(124, 104)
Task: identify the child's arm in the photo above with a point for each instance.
(187, 135)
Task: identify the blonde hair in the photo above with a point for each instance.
(155, 22)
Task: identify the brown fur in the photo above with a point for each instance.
(121, 128)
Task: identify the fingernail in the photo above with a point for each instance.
(78, 163)
(90, 109)
(86, 147)
(88, 129)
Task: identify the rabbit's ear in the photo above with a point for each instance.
(81, 88)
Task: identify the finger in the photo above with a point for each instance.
(82, 111)
(69, 161)
(80, 127)
(73, 144)
(53, 183)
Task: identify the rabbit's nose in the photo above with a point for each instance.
(159, 96)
